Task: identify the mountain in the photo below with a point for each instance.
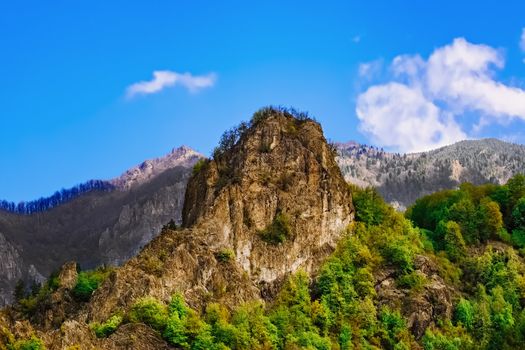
(107, 222)
(403, 178)
(277, 251)
(271, 202)
(100, 225)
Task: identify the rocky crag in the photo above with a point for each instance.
(272, 200)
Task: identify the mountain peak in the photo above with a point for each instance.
(179, 156)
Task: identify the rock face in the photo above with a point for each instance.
(423, 308)
(281, 167)
(97, 227)
(403, 178)
(10, 263)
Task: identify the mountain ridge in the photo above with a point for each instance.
(136, 175)
(402, 178)
(94, 227)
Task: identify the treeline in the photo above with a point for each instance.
(58, 198)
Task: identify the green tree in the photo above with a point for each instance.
(490, 219)
(464, 314)
(518, 214)
(453, 240)
(464, 213)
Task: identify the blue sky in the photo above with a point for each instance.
(69, 112)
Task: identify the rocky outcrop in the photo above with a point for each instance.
(421, 308)
(97, 227)
(279, 170)
(281, 167)
(10, 268)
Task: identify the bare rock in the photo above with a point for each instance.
(68, 275)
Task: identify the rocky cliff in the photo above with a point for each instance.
(98, 227)
(271, 202)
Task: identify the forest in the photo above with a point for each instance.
(58, 198)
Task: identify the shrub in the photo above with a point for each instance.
(103, 330)
(518, 238)
(400, 255)
(201, 164)
(437, 341)
(415, 281)
(171, 225)
(464, 313)
(149, 311)
(32, 343)
(39, 295)
(453, 240)
(370, 207)
(278, 231)
(225, 255)
(518, 214)
(88, 282)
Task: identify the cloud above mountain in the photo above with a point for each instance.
(422, 102)
(164, 79)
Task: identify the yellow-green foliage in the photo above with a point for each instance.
(107, 328)
(88, 282)
(225, 255)
(38, 297)
(32, 343)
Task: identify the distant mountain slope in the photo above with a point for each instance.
(402, 178)
(95, 227)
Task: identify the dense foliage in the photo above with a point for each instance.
(37, 297)
(340, 311)
(475, 236)
(88, 282)
(105, 329)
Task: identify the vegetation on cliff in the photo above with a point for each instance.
(343, 308)
(448, 274)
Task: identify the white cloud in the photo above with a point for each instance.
(522, 40)
(164, 79)
(421, 104)
(398, 116)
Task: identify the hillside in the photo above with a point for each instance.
(402, 178)
(94, 227)
(276, 251)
